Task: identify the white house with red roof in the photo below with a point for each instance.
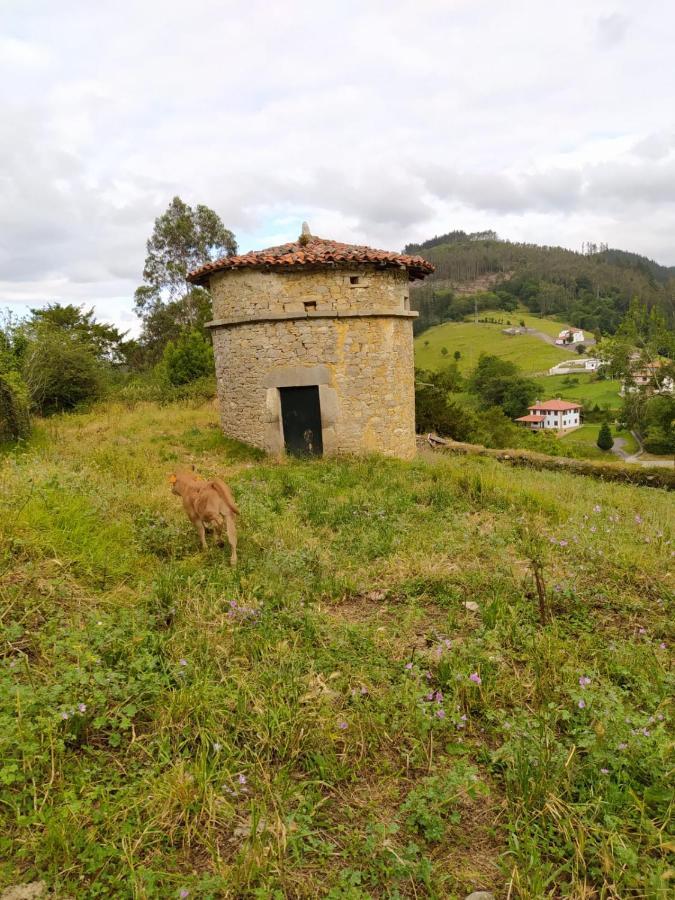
(557, 415)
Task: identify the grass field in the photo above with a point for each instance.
(328, 719)
(587, 437)
(530, 353)
(588, 392)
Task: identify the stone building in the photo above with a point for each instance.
(313, 345)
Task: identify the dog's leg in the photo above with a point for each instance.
(232, 538)
(199, 525)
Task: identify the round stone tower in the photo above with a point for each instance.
(313, 346)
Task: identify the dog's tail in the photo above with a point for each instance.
(226, 495)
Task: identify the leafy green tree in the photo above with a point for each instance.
(497, 382)
(189, 358)
(605, 439)
(104, 340)
(183, 239)
(444, 351)
(457, 355)
(60, 372)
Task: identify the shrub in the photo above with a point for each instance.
(189, 358)
(444, 351)
(14, 417)
(61, 373)
(605, 439)
(658, 441)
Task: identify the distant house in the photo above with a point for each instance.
(556, 415)
(570, 336)
(576, 366)
(649, 379)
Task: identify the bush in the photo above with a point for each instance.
(156, 388)
(605, 439)
(189, 358)
(14, 417)
(659, 441)
(61, 373)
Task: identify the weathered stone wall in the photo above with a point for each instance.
(248, 292)
(363, 366)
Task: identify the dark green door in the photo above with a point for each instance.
(301, 418)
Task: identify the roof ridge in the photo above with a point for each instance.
(316, 251)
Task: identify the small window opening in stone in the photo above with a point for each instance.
(354, 279)
(406, 302)
(310, 305)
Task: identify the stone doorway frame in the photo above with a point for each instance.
(300, 376)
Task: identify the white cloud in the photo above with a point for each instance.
(382, 123)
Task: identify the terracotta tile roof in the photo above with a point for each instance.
(556, 405)
(530, 418)
(314, 251)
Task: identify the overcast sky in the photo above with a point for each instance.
(378, 122)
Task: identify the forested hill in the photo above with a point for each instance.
(590, 289)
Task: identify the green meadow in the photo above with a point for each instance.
(377, 702)
(531, 353)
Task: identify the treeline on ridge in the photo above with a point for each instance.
(591, 290)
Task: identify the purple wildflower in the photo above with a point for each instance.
(642, 631)
(342, 725)
(662, 646)
(660, 717)
(241, 779)
(364, 691)
(597, 508)
(409, 666)
(82, 707)
(184, 893)
(439, 697)
(584, 680)
(429, 696)
(475, 677)
(440, 713)
(64, 715)
(593, 529)
(563, 543)
(638, 520)
(182, 662)
(217, 746)
(645, 731)
(605, 771)
(581, 704)
(622, 746)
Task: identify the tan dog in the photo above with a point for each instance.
(209, 504)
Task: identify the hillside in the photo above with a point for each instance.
(531, 353)
(591, 290)
(367, 706)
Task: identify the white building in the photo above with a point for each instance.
(570, 336)
(575, 366)
(555, 415)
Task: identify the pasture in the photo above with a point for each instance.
(367, 706)
(531, 353)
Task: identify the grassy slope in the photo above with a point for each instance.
(588, 392)
(290, 752)
(471, 339)
(587, 436)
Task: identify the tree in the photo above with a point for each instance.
(457, 355)
(581, 349)
(191, 357)
(498, 382)
(104, 340)
(61, 372)
(444, 351)
(183, 239)
(605, 439)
